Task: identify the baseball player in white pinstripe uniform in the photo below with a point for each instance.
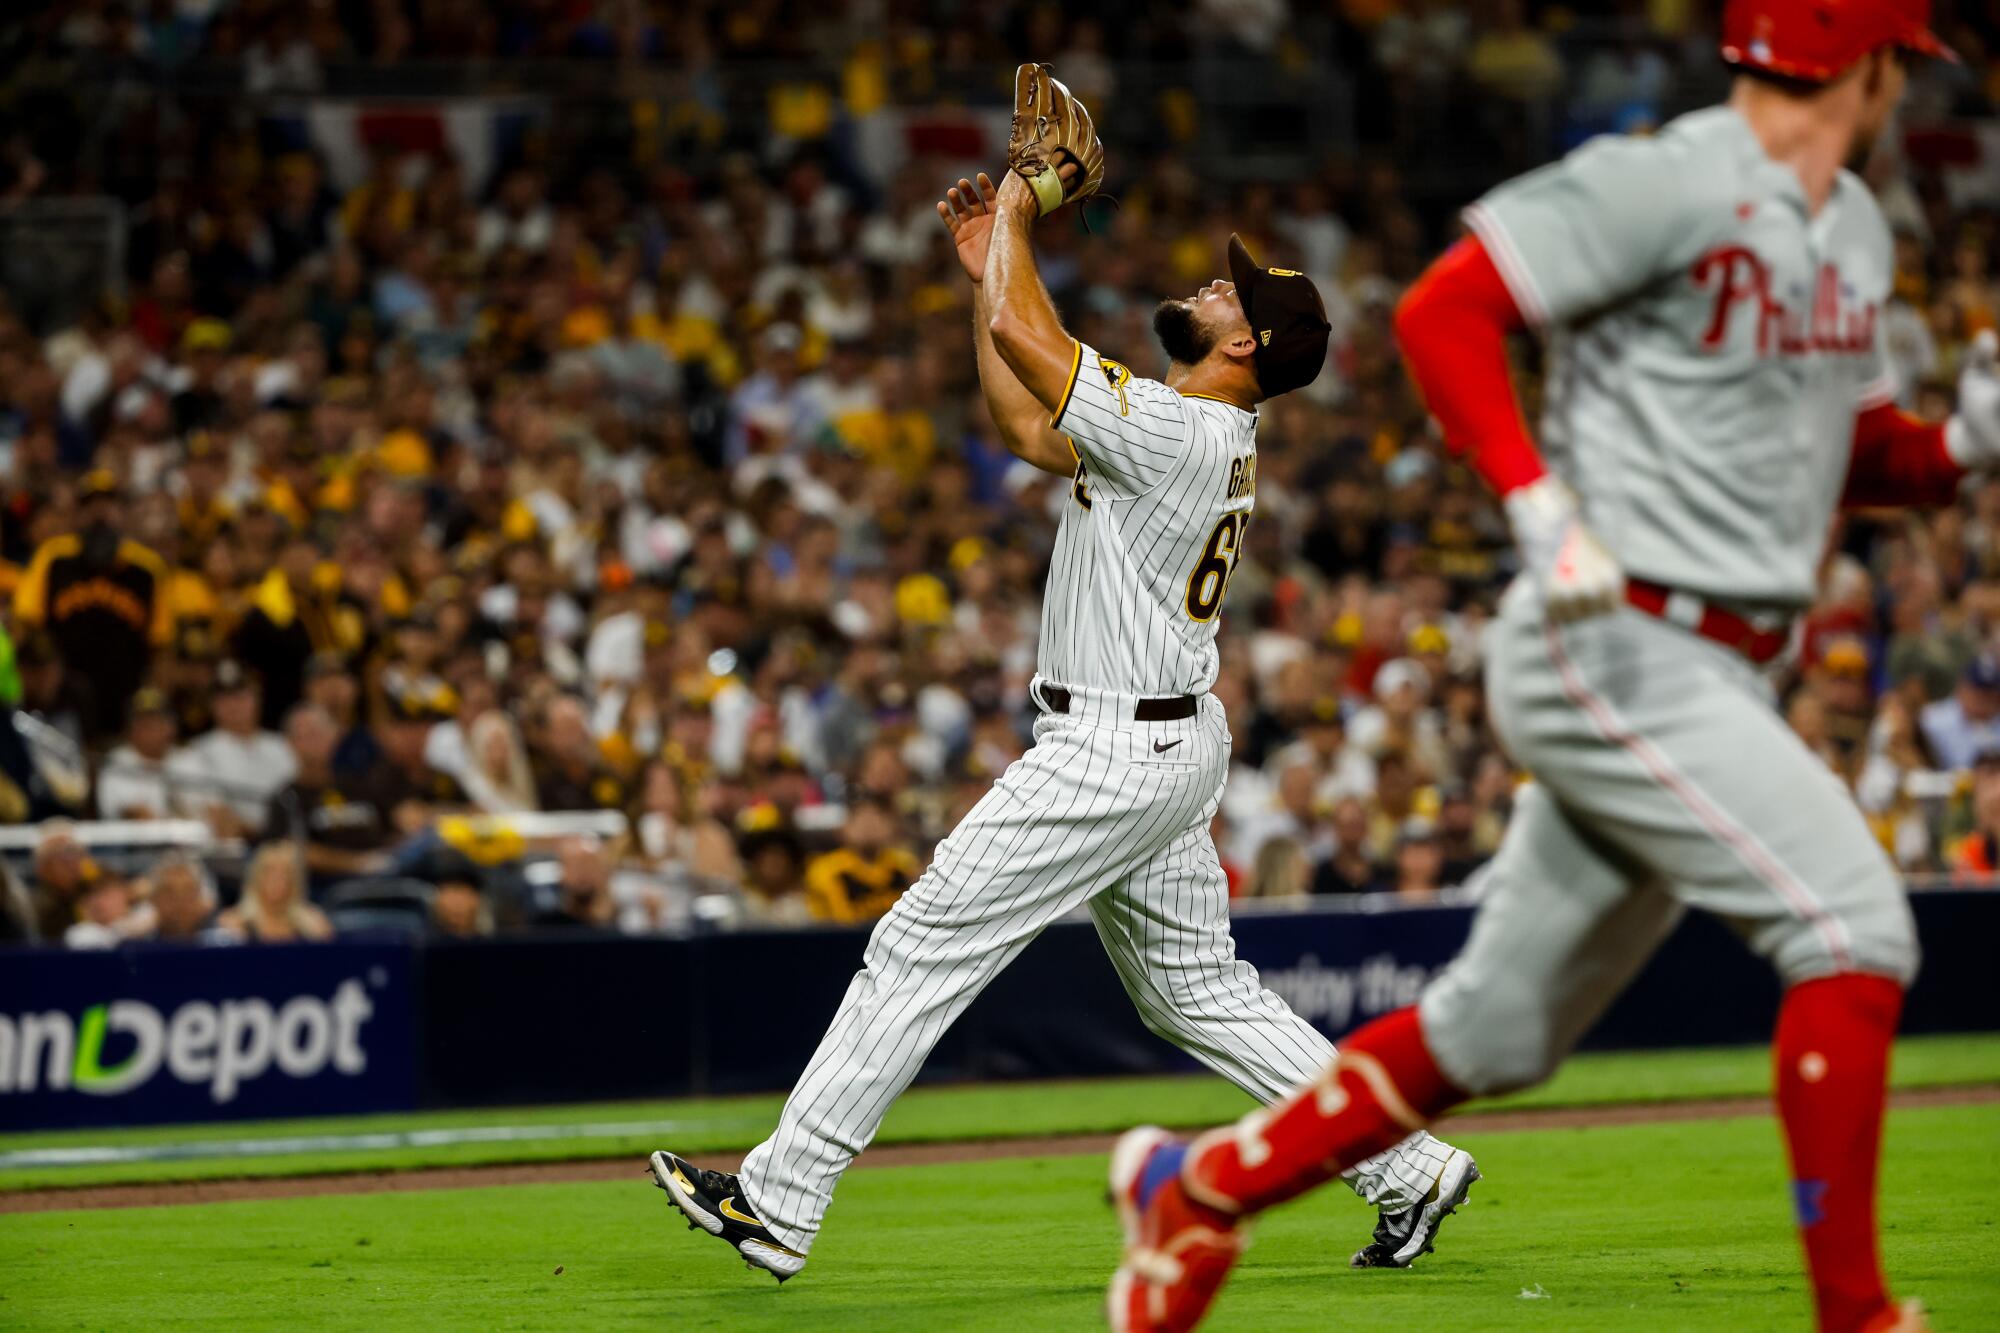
(1111, 806)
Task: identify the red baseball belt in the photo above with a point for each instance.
(1712, 622)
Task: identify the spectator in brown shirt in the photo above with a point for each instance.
(340, 825)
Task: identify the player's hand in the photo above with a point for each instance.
(1972, 436)
(968, 212)
(1577, 574)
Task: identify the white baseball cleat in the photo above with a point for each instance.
(1400, 1238)
(715, 1202)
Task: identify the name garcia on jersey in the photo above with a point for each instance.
(1242, 477)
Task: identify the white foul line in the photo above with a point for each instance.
(197, 1149)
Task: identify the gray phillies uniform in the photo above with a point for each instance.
(1710, 341)
(1103, 810)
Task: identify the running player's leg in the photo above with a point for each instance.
(1064, 821)
(1166, 927)
(1672, 753)
(1662, 748)
(1560, 931)
(1564, 927)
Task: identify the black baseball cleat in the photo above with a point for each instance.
(1401, 1237)
(715, 1202)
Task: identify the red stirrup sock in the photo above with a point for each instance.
(1832, 1056)
(1382, 1087)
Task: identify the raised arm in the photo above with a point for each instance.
(1023, 422)
(1026, 330)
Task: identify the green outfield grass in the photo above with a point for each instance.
(1651, 1227)
(923, 1115)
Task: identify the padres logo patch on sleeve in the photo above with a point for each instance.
(1117, 377)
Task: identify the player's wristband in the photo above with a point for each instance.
(1540, 513)
(1048, 187)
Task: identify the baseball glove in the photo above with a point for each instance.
(1051, 129)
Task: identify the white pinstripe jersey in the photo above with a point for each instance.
(1164, 488)
(1710, 341)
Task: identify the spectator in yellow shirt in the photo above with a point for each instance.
(861, 879)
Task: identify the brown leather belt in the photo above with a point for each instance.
(1172, 708)
(1724, 627)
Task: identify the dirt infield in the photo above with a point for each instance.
(906, 1154)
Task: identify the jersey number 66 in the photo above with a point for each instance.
(1208, 581)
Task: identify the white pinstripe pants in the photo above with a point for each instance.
(1109, 812)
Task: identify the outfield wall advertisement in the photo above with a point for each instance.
(150, 1035)
(159, 1035)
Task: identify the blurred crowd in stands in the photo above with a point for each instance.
(651, 475)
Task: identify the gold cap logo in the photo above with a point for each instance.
(1282, 272)
(1267, 337)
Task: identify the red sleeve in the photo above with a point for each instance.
(1899, 460)
(1453, 326)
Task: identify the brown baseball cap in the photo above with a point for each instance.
(1287, 318)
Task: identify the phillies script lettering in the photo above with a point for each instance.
(1740, 278)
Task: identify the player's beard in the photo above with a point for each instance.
(1184, 336)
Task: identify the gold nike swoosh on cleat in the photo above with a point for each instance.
(681, 1179)
(728, 1209)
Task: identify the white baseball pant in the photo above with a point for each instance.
(1101, 810)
